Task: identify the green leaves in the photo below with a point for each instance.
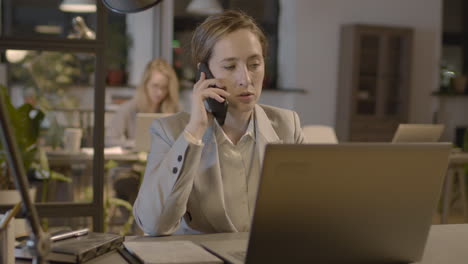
(25, 121)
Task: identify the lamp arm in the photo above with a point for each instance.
(39, 242)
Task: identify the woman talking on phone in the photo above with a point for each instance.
(203, 172)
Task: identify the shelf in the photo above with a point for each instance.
(449, 94)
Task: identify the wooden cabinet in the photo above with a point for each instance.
(374, 82)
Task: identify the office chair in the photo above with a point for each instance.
(319, 134)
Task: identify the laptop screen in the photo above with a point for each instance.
(346, 203)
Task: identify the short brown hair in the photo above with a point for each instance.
(170, 104)
(217, 26)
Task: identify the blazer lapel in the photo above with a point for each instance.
(265, 134)
(209, 186)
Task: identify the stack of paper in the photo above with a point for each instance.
(166, 252)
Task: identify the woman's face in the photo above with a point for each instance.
(157, 87)
(237, 59)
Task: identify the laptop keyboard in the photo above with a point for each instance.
(240, 255)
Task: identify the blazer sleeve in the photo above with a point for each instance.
(298, 135)
(167, 183)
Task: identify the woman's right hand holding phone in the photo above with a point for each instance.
(200, 118)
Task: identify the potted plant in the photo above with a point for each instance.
(118, 43)
(26, 121)
(45, 76)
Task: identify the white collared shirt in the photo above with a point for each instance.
(239, 165)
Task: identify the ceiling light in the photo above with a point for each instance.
(204, 7)
(78, 6)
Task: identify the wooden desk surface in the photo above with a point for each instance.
(447, 244)
(193, 238)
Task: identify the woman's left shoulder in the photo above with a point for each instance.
(173, 124)
(277, 114)
(284, 122)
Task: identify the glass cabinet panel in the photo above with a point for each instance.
(370, 46)
(368, 74)
(393, 78)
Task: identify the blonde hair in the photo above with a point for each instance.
(217, 26)
(170, 104)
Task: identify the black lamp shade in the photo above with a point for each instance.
(129, 6)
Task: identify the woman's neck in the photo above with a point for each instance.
(155, 107)
(236, 124)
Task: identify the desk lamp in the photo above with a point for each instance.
(129, 6)
(39, 242)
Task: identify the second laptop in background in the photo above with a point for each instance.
(418, 133)
(143, 134)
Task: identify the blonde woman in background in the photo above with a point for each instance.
(158, 92)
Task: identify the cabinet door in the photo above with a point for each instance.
(382, 77)
(394, 79)
(381, 86)
(366, 91)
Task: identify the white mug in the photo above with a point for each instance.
(72, 139)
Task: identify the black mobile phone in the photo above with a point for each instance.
(219, 110)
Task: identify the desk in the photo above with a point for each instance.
(78, 166)
(60, 158)
(457, 162)
(447, 244)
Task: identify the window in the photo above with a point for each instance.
(265, 12)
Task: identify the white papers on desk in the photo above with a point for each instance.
(170, 252)
(107, 151)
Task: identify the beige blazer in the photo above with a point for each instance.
(182, 188)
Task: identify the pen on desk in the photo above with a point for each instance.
(76, 233)
(9, 215)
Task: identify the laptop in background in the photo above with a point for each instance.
(142, 132)
(344, 203)
(418, 133)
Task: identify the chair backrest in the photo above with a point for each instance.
(418, 133)
(11, 197)
(319, 134)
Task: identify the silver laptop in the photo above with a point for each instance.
(142, 132)
(418, 133)
(344, 203)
